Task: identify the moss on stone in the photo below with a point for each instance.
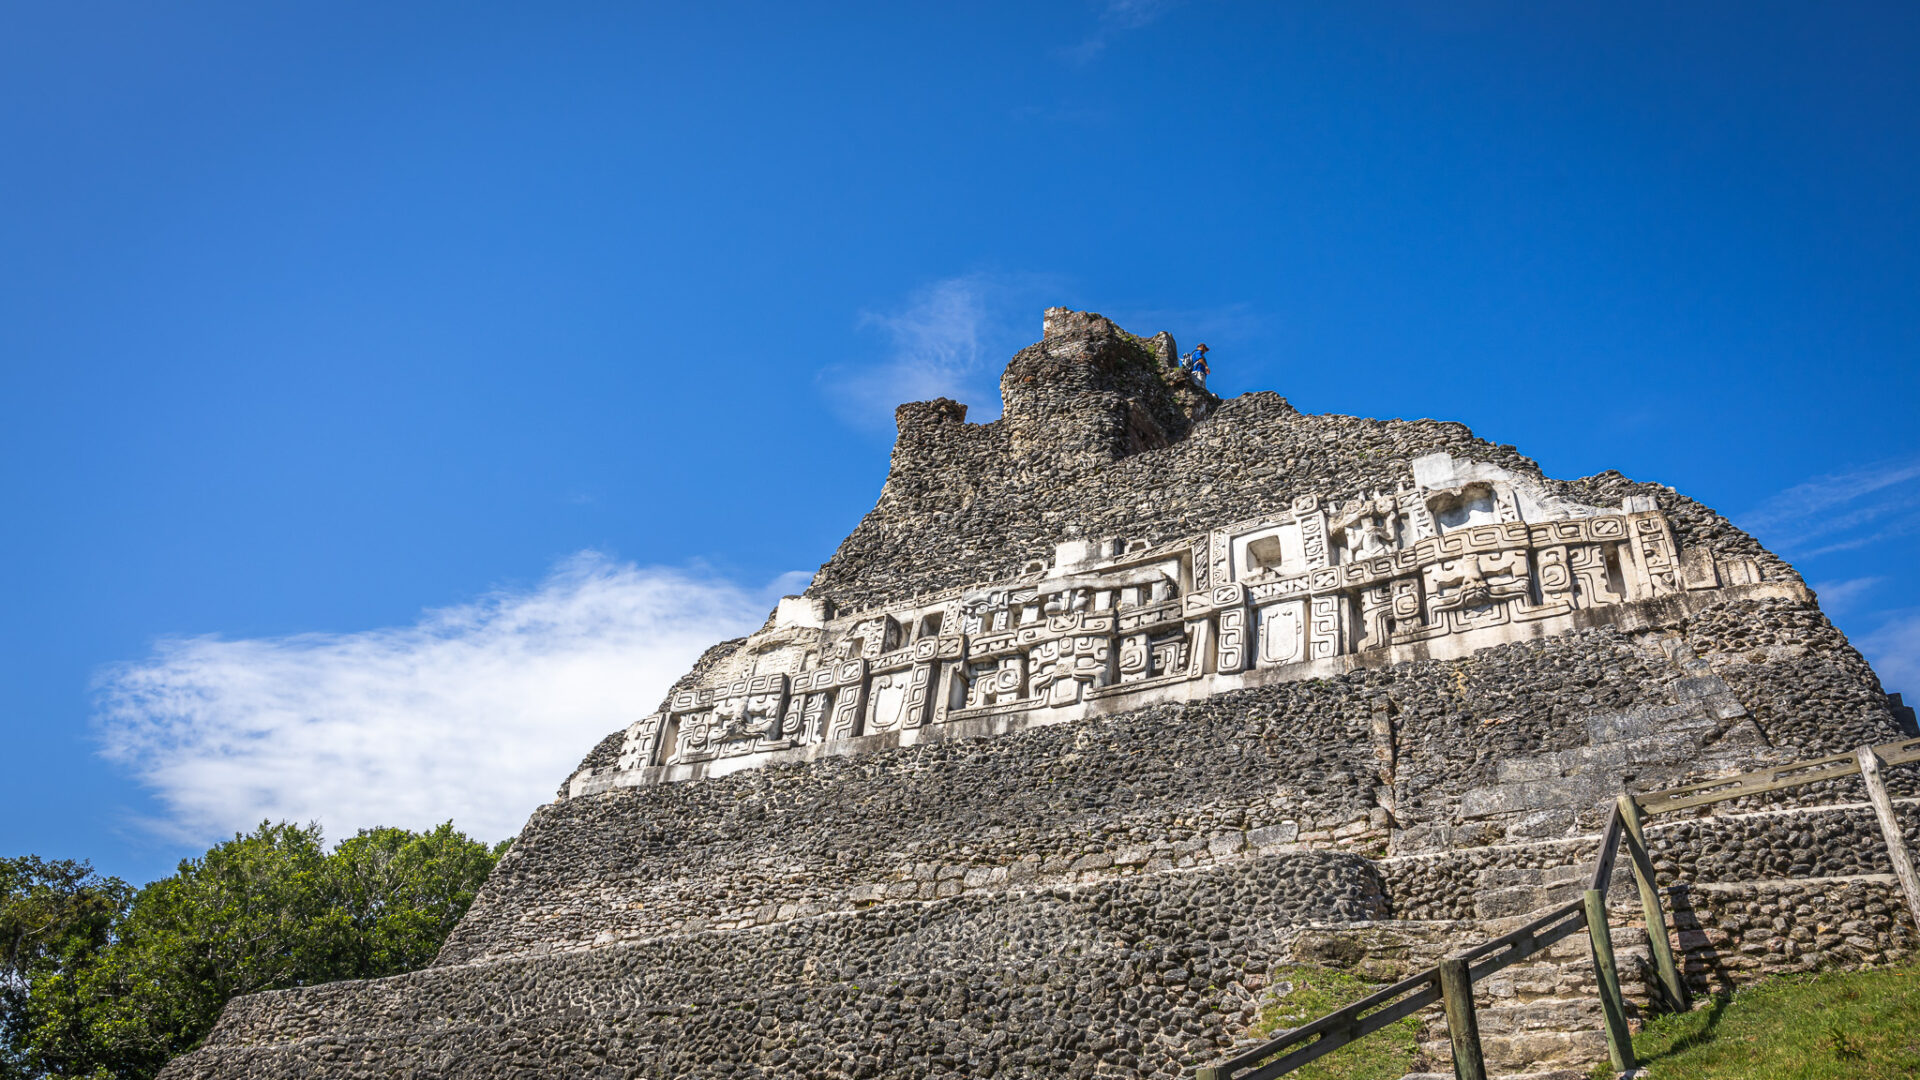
(1304, 992)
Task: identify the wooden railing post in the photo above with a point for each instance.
(1890, 828)
(1656, 915)
(1619, 1039)
(1463, 1027)
(1452, 980)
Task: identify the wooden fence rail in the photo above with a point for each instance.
(1451, 981)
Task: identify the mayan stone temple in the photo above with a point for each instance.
(1114, 709)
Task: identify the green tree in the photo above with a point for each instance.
(394, 896)
(55, 918)
(237, 920)
(266, 910)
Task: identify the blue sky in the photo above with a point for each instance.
(394, 397)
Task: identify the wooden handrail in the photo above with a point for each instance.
(1602, 877)
(1291, 1049)
(1336, 1029)
(1402, 999)
(1777, 778)
(1502, 952)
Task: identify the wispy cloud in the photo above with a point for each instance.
(1116, 18)
(936, 338)
(1836, 595)
(1840, 512)
(1894, 650)
(952, 337)
(949, 339)
(475, 712)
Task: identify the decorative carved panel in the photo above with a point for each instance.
(1064, 669)
(1308, 582)
(1282, 633)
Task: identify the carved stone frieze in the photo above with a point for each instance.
(1460, 551)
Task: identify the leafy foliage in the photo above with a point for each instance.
(54, 917)
(101, 981)
(397, 895)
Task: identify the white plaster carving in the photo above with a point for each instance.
(801, 611)
(1282, 631)
(1462, 555)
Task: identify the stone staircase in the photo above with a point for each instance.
(1733, 923)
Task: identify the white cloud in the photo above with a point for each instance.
(950, 339)
(475, 712)
(1894, 650)
(1117, 17)
(1835, 595)
(935, 340)
(1840, 512)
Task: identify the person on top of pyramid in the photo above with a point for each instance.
(1197, 361)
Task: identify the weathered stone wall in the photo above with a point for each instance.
(1144, 976)
(1734, 933)
(1525, 741)
(1810, 690)
(1160, 974)
(1798, 843)
(1165, 788)
(975, 502)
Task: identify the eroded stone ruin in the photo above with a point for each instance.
(1113, 707)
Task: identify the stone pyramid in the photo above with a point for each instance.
(1111, 710)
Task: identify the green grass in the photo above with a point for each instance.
(1303, 992)
(1862, 1025)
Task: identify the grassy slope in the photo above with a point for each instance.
(1304, 992)
(1862, 1025)
(1854, 1025)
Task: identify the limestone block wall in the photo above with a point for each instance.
(1806, 686)
(1788, 844)
(1732, 933)
(1527, 741)
(968, 502)
(979, 985)
(1773, 845)
(1165, 788)
(1143, 977)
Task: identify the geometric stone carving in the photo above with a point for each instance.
(1461, 548)
(1230, 637)
(642, 743)
(1324, 627)
(1136, 658)
(1282, 632)
(1065, 668)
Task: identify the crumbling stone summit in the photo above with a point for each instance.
(1112, 708)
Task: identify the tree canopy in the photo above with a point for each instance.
(100, 980)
